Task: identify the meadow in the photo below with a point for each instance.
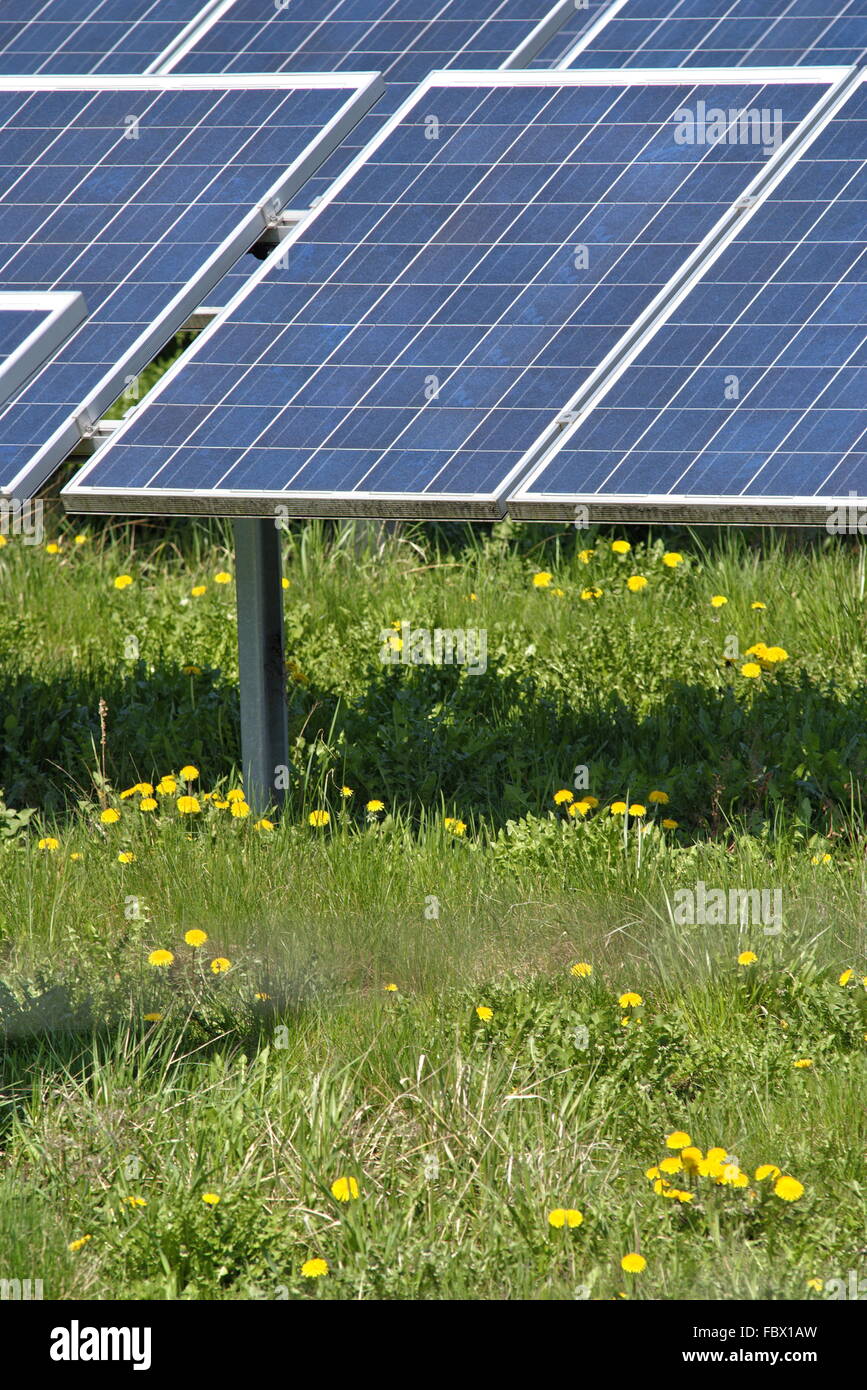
(439, 1029)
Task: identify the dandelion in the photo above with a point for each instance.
(821, 859)
(52, 549)
(240, 810)
(618, 808)
(210, 1199)
(135, 1201)
(147, 803)
(189, 773)
(191, 670)
(123, 581)
(747, 958)
(678, 1139)
(636, 809)
(160, 958)
(621, 547)
(263, 824)
(789, 1189)
(80, 1243)
(199, 589)
(670, 1165)
(659, 798)
(816, 1285)
(220, 965)
(109, 816)
(318, 818)
(672, 558)
(346, 792)
(845, 977)
(81, 540)
(585, 556)
(563, 797)
(484, 1013)
(195, 937)
(48, 842)
(579, 808)
(718, 600)
(126, 856)
(152, 1018)
(167, 786)
(804, 1062)
(222, 578)
(344, 1190)
(776, 655)
(188, 805)
(75, 856)
(581, 969)
(565, 1216)
(542, 579)
(314, 1269)
(455, 827)
(390, 989)
(235, 794)
(631, 1001)
(767, 1170)
(758, 604)
(374, 807)
(751, 670)
(285, 583)
(595, 592)
(691, 1157)
(635, 583)
(669, 824)
(633, 1263)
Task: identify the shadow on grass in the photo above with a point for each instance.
(494, 745)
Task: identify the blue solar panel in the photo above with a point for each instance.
(138, 193)
(86, 36)
(15, 326)
(447, 299)
(582, 18)
(729, 33)
(752, 393)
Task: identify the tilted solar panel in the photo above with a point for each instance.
(32, 327)
(749, 402)
(584, 17)
(401, 352)
(139, 193)
(87, 36)
(726, 33)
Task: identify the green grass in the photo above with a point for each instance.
(296, 1066)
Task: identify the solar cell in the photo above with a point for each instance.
(748, 402)
(414, 337)
(139, 193)
(582, 21)
(88, 36)
(728, 33)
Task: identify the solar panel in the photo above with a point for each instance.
(748, 402)
(139, 193)
(32, 327)
(728, 33)
(74, 36)
(460, 281)
(582, 23)
(403, 41)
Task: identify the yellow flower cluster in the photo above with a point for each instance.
(585, 804)
(717, 1165)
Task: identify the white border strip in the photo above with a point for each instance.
(523, 503)
(189, 36)
(386, 505)
(363, 88)
(585, 39)
(62, 312)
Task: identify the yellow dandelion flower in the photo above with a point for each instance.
(776, 655)
(581, 969)
(48, 842)
(344, 1190)
(635, 583)
(195, 937)
(618, 808)
(804, 1062)
(147, 803)
(167, 786)
(484, 1013)
(126, 856)
(789, 1189)
(318, 818)
(80, 1243)
(390, 988)
(285, 583)
(631, 1001)
(672, 558)
(585, 556)
(565, 1216)
(670, 1165)
(595, 592)
(81, 539)
(678, 1139)
(718, 600)
(691, 1157)
(109, 816)
(189, 773)
(188, 805)
(845, 977)
(263, 824)
(152, 1018)
(123, 581)
(636, 809)
(220, 805)
(747, 958)
(816, 1285)
(76, 855)
(220, 965)
(633, 1263)
(240, 810)
(160, 958)
(669, 824)
(758, 604)
(767, 1170)
(374, 807)
(210, 1199)
(135, 1201)
(199, 589)
(235, 795)
(579, 808)
(751, 670)
(53, 548)
(621, 547)
(222, 578)
(346, 792)
(652, 1173)
(454, 826)
(659, 798)
(314, 1269)
(542, 579)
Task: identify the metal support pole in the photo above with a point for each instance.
(264, 732)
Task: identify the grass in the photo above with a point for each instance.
(296, 1066)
